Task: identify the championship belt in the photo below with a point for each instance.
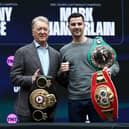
(101, 54)
(42, 99)
(103, 92)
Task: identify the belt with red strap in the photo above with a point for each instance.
(104, 95)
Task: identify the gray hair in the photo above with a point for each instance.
(39, 18)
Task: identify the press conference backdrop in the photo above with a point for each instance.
(108, 19)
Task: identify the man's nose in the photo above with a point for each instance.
(76, 25)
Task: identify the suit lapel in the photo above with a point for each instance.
(51, 60)
(36, 59)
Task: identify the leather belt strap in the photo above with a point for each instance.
(104, 95)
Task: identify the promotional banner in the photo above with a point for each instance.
(16, 16)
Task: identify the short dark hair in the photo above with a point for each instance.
(74, 15)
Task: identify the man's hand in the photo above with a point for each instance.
(64, 67)
(107, 70)
(35, 75)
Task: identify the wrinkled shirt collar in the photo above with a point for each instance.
(38, 45)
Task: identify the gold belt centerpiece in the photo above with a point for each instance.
(42, 82)
(42, 99)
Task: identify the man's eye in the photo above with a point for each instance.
(73, 24)
(79, 24)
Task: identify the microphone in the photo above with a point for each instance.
(65, 74)
(65, 61)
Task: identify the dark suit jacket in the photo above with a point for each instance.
(26, 62)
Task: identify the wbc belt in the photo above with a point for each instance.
(103, 93)
(42, 99)
(101, 54)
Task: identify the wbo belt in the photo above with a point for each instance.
(103, 93)
(42, 99)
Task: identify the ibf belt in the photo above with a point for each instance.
(42, 99)
(104, 96)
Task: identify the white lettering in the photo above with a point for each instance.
(16, 89)
(91, 28)
(3, 28)
(5, 13)
(59, 28)
(64, 13)
(99, 28)
(86, 12)
(64, 29)
(109, 28)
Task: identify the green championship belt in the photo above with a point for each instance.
(101, 54)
